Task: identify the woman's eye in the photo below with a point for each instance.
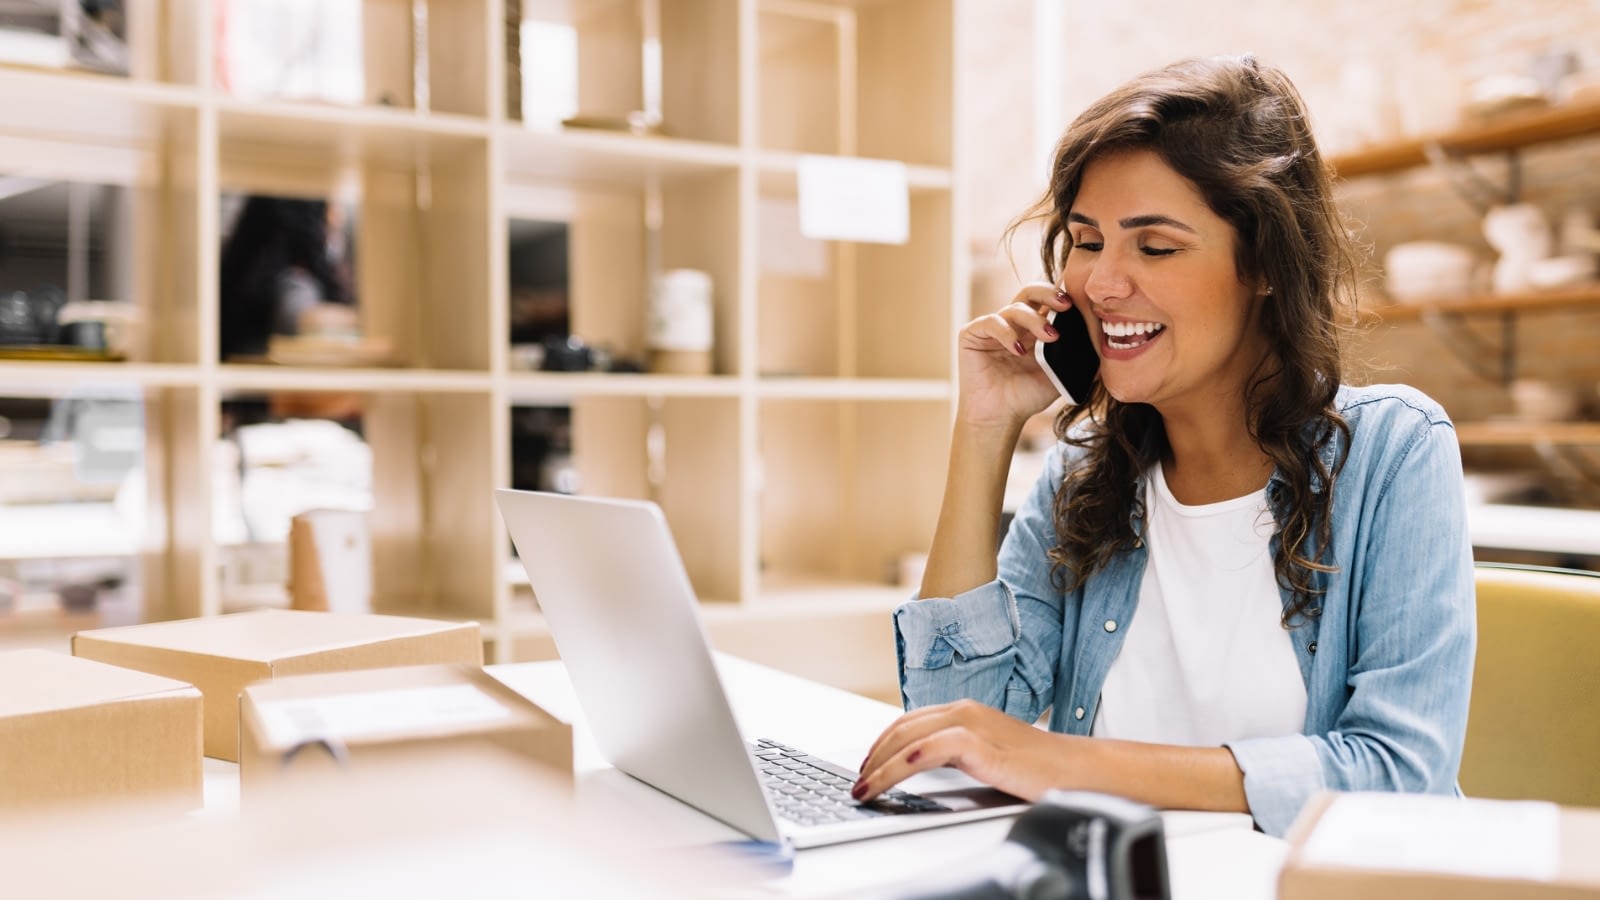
(1088, 246)
(1158, 251)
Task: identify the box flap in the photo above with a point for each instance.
(271, 634)
(58, 681)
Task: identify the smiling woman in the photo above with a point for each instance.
(1239, 579)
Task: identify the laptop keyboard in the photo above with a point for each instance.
(813, 791)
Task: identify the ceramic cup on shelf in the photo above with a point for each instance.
(1537, 400)
(680, 332)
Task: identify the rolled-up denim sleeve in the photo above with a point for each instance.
(1000, 642)
(1413, 640)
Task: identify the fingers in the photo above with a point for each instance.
(945, 747)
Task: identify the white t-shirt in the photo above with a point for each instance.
(1205, 659)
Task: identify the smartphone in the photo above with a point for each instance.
(1070, 360)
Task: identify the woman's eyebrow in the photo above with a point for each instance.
(1133, 221)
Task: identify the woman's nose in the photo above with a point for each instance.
(1108, 279)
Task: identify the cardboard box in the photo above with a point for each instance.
(73, 730)
(350, 720)
(222, 655)
(1417, 847)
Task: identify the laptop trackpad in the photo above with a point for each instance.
(957, 790)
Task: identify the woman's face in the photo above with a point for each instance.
(1152, 270)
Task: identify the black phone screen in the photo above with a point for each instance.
(1070, 360)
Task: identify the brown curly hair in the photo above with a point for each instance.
(1238, 130)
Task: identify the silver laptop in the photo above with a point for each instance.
(626, 623)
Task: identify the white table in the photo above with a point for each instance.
(1208, 855)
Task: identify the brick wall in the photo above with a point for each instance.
(1368, 69)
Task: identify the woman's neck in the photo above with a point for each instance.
(1211, 455)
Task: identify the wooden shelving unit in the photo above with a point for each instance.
(1507, 132)
(1521, 434)
(815, 452)
(1569, 298)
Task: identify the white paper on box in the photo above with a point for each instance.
(1412, 833)
(349, 717)
(849, 199)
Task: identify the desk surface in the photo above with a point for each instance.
(1209, 855)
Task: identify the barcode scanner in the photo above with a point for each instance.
(1072, 845)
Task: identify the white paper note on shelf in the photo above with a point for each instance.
(848, 199)
(1422, 833)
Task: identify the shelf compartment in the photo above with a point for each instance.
(610, 247)
(856, 310)
(875, 471)
(874, 80)
(597, 65)
(421, 233)
(446, 44)
(431, 520)
(681, 452)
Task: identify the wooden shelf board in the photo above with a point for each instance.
(610, 159)
(86, 107)
(803, 388)
(1521, 434)
(1503, 133)
(264, 131)
(58, 379)
(778, 174)
(1586, 295)
(234, 377)
(525, 387)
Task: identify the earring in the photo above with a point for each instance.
(1269, 290)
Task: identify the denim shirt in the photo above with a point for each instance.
(1387, 663)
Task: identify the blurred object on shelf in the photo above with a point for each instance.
(541, 449)
(1550, 68)
(284, 271)
(1580, 88)
(1537, 400)
(1371, 114)
(680, 335)
(330, 561)
(1496, 95)
(1562, 271)
(28, 318)
(567, 354)
(290, 467)
(327, 350)
(290, 50)
(1520, 233)
(1419, 270)
(1503, 487)
(539, 263)
(59, 34)
(106, 326)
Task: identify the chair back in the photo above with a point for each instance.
(1533, 732)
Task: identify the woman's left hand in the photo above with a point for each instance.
(981, 741)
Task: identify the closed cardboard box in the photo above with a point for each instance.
(73, 730)
(222, 655)
(1419, 847)
(352, 720)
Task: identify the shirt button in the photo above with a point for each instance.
(1111, 624)
(1078, 713)
(1311, 647)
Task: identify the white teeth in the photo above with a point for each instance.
(1136, 332)
(1128, 329)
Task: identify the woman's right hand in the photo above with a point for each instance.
(1002, 384)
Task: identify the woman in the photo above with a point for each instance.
(1238, 581)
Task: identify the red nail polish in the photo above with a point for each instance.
(1020, 351)
(1050, 331)
(915, 755)
(859, 791)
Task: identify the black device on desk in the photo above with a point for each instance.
(1070, 845)
(1070, 360)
